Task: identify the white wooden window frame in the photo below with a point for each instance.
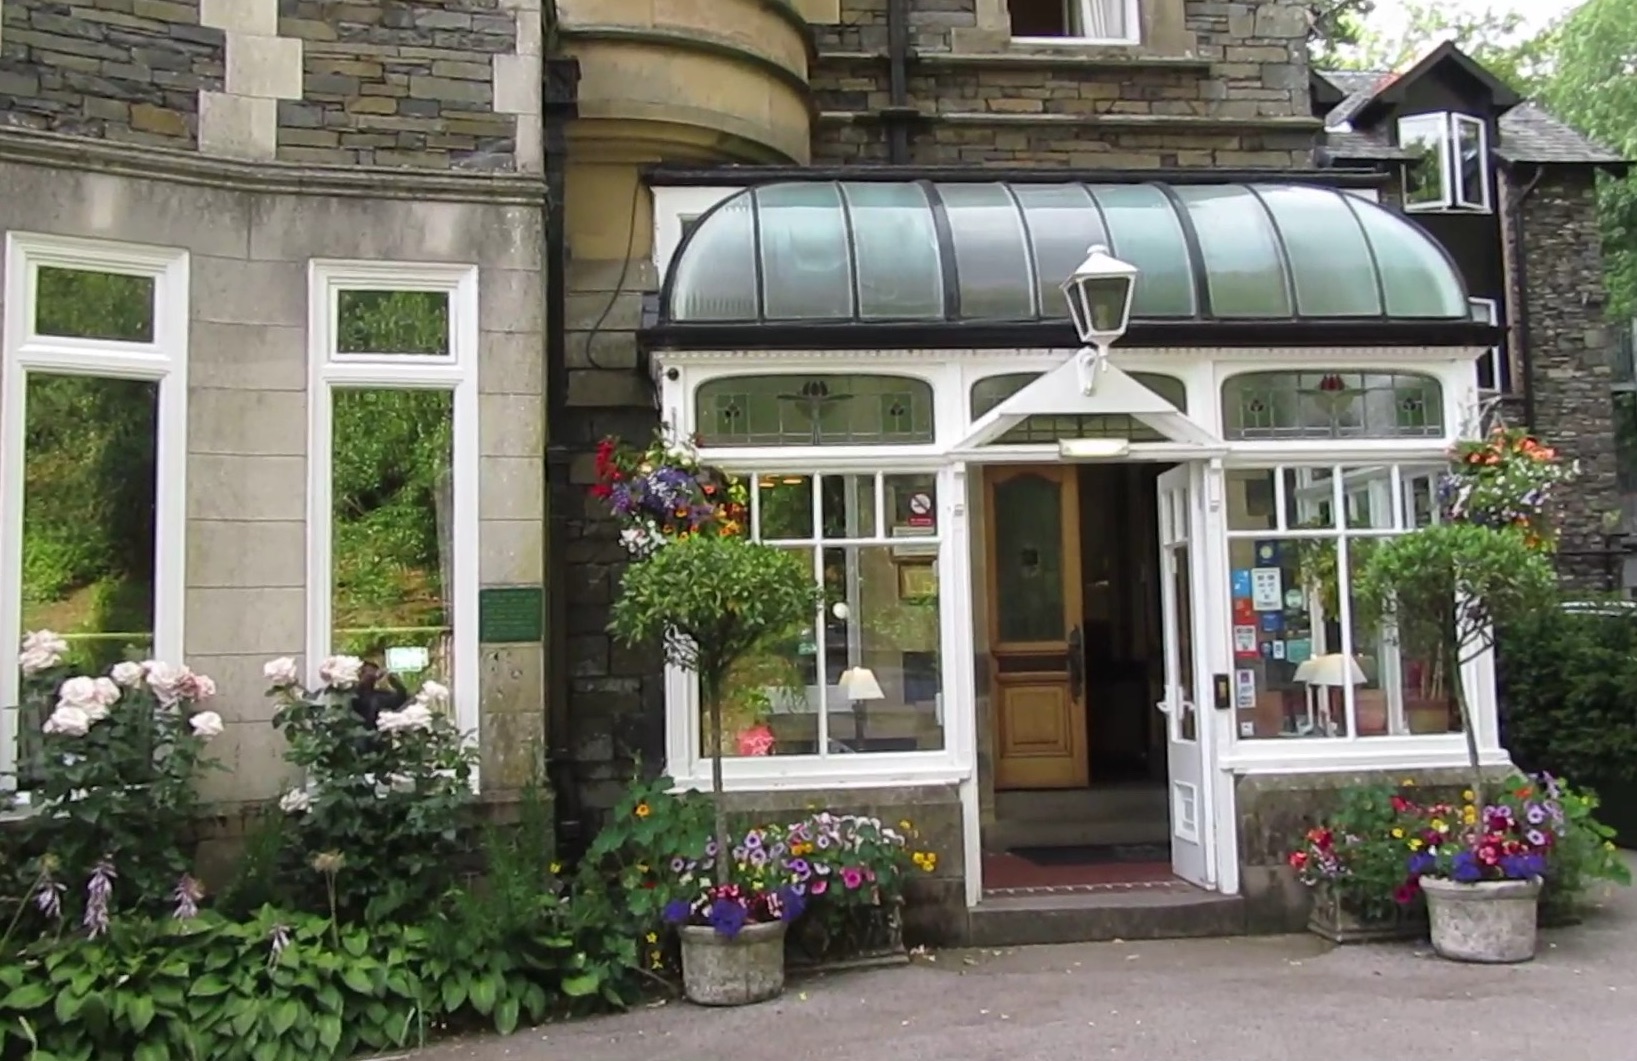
(1445, 128)
(1077, 15)
(457, 373)
(163, 361)
(1488, 311)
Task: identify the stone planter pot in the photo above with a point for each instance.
(1337, 922)
(1491, 922)
(737, 971)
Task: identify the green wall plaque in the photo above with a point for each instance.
(511, 615)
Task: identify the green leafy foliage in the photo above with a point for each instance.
(392, 804)
(1568, 684)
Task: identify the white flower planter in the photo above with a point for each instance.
(1491, 922)
(719, 971)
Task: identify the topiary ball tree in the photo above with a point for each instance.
(710, 601)
(1446, 588)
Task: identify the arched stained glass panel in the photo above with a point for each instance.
(1327, 405)
(814, 410)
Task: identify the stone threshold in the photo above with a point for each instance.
(1177, 886)
(1036, 119)
(60, 151)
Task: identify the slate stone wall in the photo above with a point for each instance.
(398, 84)
(1572, 346)
(1061, 110)
(127, 70)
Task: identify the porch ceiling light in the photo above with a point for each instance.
(1087, 449)
(1099, 295)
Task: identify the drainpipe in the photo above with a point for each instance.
(560, 106)
(1526, 346)
(898, 114)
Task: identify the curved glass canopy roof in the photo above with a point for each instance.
(926, 251)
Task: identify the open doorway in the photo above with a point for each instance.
(1072, 632)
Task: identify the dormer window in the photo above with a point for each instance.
(1076, 21)
(1453, 173)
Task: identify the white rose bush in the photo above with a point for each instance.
(112, 771)
(385, 783)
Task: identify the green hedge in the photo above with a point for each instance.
(1568, 685)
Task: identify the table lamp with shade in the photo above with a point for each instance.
(859, 686)
(1327, 672)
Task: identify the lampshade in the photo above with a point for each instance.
(1304, 670)
(1099, 296)
(1335, 670)
(858, 683)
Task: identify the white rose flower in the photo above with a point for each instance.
(389, 721)
(199, 687)
(206, 725)
(167, 681)
(281, 673)
(42, 650)
(433, 694)
(127, 674)
(340, 672)
(90, 695)
(416, 716)
(69, 721)
(296, 801)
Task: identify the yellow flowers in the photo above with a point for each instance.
(652, 937)
(1398, 834)
(643, 810)
(905, 825)
(1468, 796)
(927, 860)
(1415, 843)
(1408, 782)
(1439, 825)
(556, 868)
(801, 849)
(1469, 816)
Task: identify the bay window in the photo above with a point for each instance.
(1453, 162)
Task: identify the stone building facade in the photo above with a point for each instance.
(512, 155)
(255, 161)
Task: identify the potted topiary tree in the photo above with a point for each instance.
(712, 599)
(1442, 591)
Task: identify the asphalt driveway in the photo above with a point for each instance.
(1268, 999)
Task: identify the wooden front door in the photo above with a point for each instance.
(1035, 643)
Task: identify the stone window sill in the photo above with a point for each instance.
(1083, 57)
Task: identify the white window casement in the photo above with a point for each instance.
(1076, 21)
(1493, 374)
(91, 324)
(1453, 174)
(397, 340)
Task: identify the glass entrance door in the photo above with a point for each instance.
(1188, 791)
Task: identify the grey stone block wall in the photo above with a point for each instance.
(1253, 66)
(1571, 346)
(127, 70)
(398, 84)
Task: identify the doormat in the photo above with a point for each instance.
(1093, 854)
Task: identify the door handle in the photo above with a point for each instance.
(1077, 664)
(1163, 706)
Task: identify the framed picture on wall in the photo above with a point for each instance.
(917, 579)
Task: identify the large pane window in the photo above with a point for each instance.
(392, 554)
(864, 675)
(88, 405)
(1310, 661)
(393, 579)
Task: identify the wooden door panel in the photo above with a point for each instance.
(1033, 562)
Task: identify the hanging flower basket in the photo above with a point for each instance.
(664, 492)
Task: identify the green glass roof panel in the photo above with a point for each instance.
(803, 238)
(1064, 224)
(1417, 278)
(1330, 260)
(1144, 231)
(900, 268)
(1244, 264)
(714, 278)
(991, 255)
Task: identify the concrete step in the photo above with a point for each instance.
(1166, 911)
